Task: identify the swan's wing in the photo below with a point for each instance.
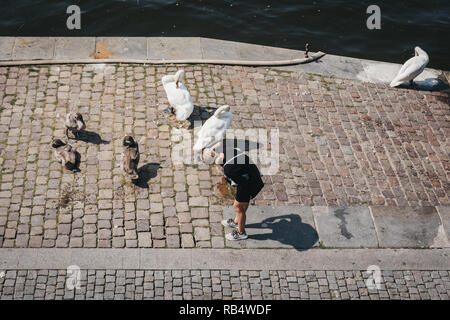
(186, 94)
(210, 127)
(211, 132)
(203, 143)
(221, 129)
(411, 69)
(213, 126)
(177, 96)
(408, 64)
(184, 110)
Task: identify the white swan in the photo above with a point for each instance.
(178, 95)
(412, 68)
(213, 130)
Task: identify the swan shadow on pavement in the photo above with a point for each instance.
(200, 115)
(146, 172)
(429, 84)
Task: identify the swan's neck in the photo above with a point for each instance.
(179, 76)
(422, 53)
(221, 111)
(221, 114)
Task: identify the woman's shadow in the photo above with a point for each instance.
(146, 172)
(287, 229)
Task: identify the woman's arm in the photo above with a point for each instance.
(214, 147)
(219, 159)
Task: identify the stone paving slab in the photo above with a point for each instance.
(331, 66)
(33, 48)
(74, 48)
(213, 284)
(408, 227)
(444, 213)
(225, 259)
(120, 48)
(174, 48)
(219, 49)
(283, 53)
(345, 227)
(276, 227)
(254, 52)
(258, 52)
(6, 47)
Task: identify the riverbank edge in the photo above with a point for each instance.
(166, 50)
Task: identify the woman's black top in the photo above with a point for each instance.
(238, 167)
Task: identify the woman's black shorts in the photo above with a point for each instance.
(248, 188)
(243, 194)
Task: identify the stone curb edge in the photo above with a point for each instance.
(160, 48)
(226, 259)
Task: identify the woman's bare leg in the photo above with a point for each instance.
(241, 209)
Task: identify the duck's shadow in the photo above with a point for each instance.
(91, 137)
(146, 172)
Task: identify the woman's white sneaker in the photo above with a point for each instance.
(229, 223)
(235, 236)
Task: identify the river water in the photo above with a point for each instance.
(333, 26)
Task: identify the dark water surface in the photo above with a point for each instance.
(333, 26)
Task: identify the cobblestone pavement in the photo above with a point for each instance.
(235, 284)
(342, 142)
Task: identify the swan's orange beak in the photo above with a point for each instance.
(177, 84)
